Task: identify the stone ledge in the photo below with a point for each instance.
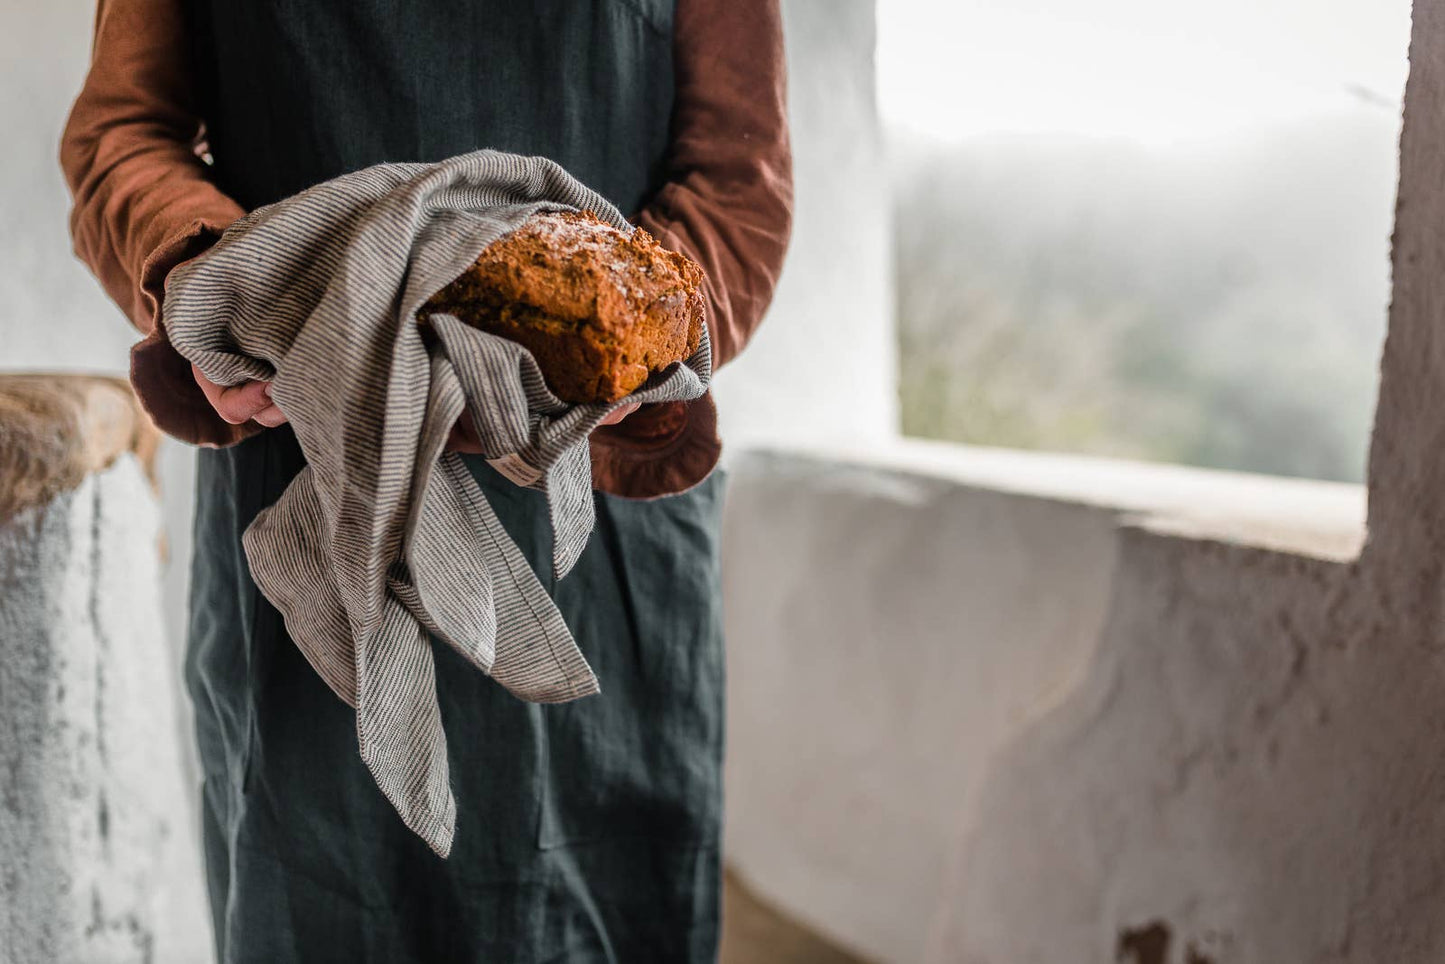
(55, 429)
(1324, 520)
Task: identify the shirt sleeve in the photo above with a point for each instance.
(141, 198)
(728, 200)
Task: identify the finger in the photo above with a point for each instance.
(271, 416)
(240, 403)
(235, 403)
(617, 415)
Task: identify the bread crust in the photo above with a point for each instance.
(599, 309)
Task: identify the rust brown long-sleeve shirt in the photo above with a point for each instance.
(143, 204)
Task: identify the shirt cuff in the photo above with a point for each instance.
(162, 379)
(659, 450)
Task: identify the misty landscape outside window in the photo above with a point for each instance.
(1145, 230)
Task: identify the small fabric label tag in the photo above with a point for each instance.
(512, 466)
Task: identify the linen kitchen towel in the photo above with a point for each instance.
(385, 539)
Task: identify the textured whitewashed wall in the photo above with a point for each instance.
(886, 632)
(96, 841)
(898, 621)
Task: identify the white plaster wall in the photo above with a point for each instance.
(100, 854)
(1235, 770)
(886, 631)
(53, 312)
(822, 366)
(900, 620)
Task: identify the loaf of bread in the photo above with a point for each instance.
(599, 309)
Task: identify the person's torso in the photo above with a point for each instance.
(294, 92)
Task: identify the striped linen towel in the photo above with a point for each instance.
(384, 538)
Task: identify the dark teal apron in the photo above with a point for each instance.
(587, 831)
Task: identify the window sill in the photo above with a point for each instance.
(1295, 516)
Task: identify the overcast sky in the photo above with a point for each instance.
(1154, 71)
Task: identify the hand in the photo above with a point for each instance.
(464, 434)
(248, 401)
